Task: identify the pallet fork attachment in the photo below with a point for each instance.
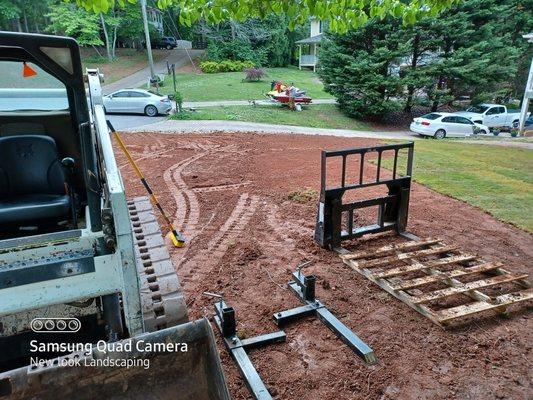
(392, 208)
(176, 237)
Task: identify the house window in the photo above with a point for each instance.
(319, 27)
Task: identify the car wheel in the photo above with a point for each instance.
(150, 111)
(169, 47)
(484, 132)
(440, 134)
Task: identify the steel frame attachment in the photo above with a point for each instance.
(227, 324)
(392, 208)
(304, 287)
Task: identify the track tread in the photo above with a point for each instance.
(163, 302)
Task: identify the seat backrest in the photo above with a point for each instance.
(29, 164)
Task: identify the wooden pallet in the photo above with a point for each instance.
(407, 268)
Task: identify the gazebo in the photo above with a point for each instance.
(307, 51)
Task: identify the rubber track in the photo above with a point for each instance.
(163, 303)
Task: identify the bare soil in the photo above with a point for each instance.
(245, 203)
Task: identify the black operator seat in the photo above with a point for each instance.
(33, 188)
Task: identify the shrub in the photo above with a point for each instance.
(181, 115)
(178, 98)
(235, 50)
(211, 67)
(254, 74)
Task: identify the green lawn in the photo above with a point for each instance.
(230, 85)
(497, 179)
(316, 116)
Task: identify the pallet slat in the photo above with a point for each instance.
(406, 256)
(386, 258)
(449, 314)
(390, 249)
(483, 283)
(412, 283)
(418, 266)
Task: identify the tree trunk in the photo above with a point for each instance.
(414, 62)
(441, 83)
(25, 21)
(97, 51)
(114, 40)
(107, 42)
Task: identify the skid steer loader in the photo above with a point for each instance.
(90, 304)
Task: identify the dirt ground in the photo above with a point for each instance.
(247, 205)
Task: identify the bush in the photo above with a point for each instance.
(178, 98)
(254, 74)
(212, 67)
(183, 115)
(235, 50)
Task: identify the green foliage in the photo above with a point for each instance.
(356, 70)
(212, 67)
(342, 14)
(24, 15)
(72, 21)
(182, 115)
(265, 42)
(473, 49)
(237, 50)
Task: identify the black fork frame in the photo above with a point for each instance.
(393, 208)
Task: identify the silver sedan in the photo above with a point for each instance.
(137, 101)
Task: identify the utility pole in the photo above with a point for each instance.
(528, 92)
(147, 36)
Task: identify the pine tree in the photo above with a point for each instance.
(356, 68)
(474, 49)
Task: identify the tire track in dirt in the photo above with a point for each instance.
(218, 188)
(187, 215)
(208, 258)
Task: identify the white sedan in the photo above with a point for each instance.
(440, 125)
(137, 101)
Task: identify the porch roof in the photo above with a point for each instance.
(310, 40)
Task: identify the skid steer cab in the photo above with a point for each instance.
(82, 267)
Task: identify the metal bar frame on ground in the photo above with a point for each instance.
(304, 287)
(227, 324)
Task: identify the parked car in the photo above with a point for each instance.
(166, 42)
(137, 101)
(492, 115)
(440, 125)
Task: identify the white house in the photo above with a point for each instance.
(155, 18)
(307, 48)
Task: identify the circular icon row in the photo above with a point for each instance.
(55, 325)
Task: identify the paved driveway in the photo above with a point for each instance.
(178, 57)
